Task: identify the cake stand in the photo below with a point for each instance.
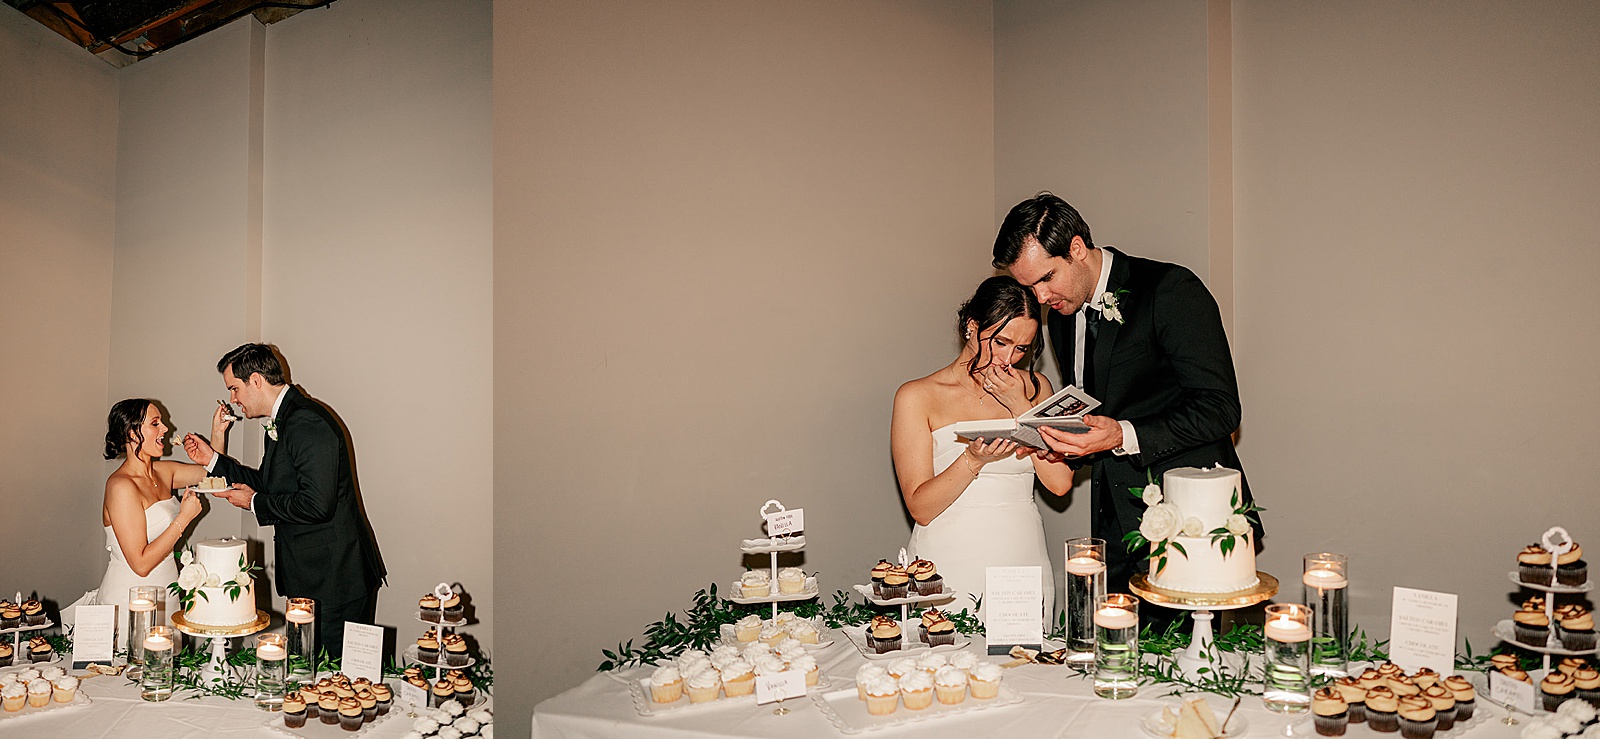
(1202, 651)
(217, 667)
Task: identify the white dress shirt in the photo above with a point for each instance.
(276, 404)
(1130, 439)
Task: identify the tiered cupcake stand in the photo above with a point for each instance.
(443, 592)
(19, 653)
(774, 546)
(1557, 542)
(908, 626)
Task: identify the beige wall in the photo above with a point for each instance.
(1416, 325)
(58, 155)
(726, 232)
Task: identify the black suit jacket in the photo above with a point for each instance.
(322, 544)
(1167, 370)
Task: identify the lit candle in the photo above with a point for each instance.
(1085, 566)
(141, 605)
(298, 616)
(1115, 618)
(157, 643)
(1287, 630)
(270, 652)
(1325, 579)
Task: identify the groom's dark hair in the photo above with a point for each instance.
(251, 359)
(1045, 218)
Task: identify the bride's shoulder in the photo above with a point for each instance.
(119, 485)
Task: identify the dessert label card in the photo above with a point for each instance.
(93, 636)
(414, 695)
(780, 686)
(1511, 692)
(363, 651)
(1013, 603)
(785, 523)
(1422, 630)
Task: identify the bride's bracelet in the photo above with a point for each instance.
(970, 469)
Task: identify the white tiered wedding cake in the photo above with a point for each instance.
(1205, 501)
(218, 584)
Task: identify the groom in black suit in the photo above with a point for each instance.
(1154, 353)
(323, 545)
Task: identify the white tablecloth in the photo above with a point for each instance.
(1055, 704)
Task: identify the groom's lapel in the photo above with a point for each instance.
(272, 446)
(1105, 339)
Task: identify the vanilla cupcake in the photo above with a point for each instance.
(1382, 709)
(1555, 689)
(771, 634)
(746, 629)
(950, 685)
(804, 631)
(65, 688)
(738, 678)
(984, 680)
(1444, 705)
(883, 696)
(1532, 627)
(807, 665)
(1533, 565)
(1570, 567)
(930, 662)
(791, 580)
(896, 584)
(755, 584)
(1330, 711)
(788, 647)
(1355, 698)
(666, 684)
(1466, 697)
(690, 660)
(901, 667)
(1417, 717)
(964, 660)
(1576, 627)
(868, 672)
(431, 608)
(39, 690)
(13, 696)
(704, 686)
(916, 690)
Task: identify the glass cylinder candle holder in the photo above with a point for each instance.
(156, 682)
(271, 671)
(1086, 582)
(1327, 581)
(300, 635)
(144, 602)
(1286, 685)
(1116, 648)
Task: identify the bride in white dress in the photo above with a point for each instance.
(143, 521)
(974, 502)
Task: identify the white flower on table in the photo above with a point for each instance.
(1161, 522)
(1193, 527)
(1151, 494)
(1238, 524)
(192, 576)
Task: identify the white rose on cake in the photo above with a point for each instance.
(1193, 527)
(192, 577)
(242, 579)
(1151, 494)
(213, 581)
(187, 558)
(1161, 522)
(1238, 524)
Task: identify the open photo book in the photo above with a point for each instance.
(1062, 411)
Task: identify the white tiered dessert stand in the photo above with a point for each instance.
(1557, 542)
(19, 655)
(443, 592)
(774, 546)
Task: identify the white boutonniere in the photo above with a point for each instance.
(1107, 305)
(272, 429)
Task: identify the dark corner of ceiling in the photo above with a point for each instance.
(124, 31)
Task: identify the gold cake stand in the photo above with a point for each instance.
(217, 667)
(1202, 650)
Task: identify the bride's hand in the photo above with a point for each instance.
(993, 450)
(1007, 386)
(221, 420)
(189, 507)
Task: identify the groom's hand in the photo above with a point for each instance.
(239, 494)
(1104, 434)
(198, 449)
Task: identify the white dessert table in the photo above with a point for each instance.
(1055, 704)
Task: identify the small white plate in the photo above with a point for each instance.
(639, 688)
(910, 645)
(410, 655)
(47, 624)
(866, 591)
(446, 624)
(315, 728)
(78, 701)
(1151, 721)
(848, 713)
(1552, 588)
(764, 546)
(1506, 630)
(808, 593)
(730, 638)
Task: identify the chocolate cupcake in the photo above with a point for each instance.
(1370, 678)
(1355, 697)
(1555, 689)
(350, 714)
(452, 608)
(369, 706)
(10, 615)
(1417, 717)
(885, 635)
(465, 692)
(441, 693)
(1425, 677)
(385, 697)
(1532, 627)
(33, 613)
(294, 711)
(1403, 686)
(1586, 681)
(1331, 712)
(878, 571)
(1444, 705)
(941, 632)
(1383, 710)
(1571, 665)
(1466, 697)
(428, 648)
(308, 698)
(1389, 669)
(39, 650)
(1533, 565)
(1570, 567)
(1505, 659)
(896, 583)
(455, 650)
(1516, 673)
(431, 609)
(1575, 624)
(925, 578)
(328, 707)
(6, 654)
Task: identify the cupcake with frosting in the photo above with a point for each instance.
(10, 615)
(65, 688)
(1533, 565)
(432, 610)
(294, 710)
(941, 632)
(369, 706)
(964, 660)
(33, 613)
(1555, 689)
(1570, 568)
(806, 664)
(1569, 665)
(452, 608)
(13, 696)
(1504, 660)
(39, 690)
(883, 696)
(39, 650)
(385, 696)
(791, 580)
(903, 666)
(1355, 698)
(666, 685)
(916, 690)
(328, 707)
(896, 583)
(1466, 697)
(1586, 680)
(1444, 705)
(885, 635)
(879, 570)
(746, 629)
(1417, 717)
(925, 578)
(465, 691)
(950, 685)
(6, 655)
(984, 680)
(1330, 712)
(703, 686)
(867, 673)
(805, 631)
(1516, 674)
(1575, 624)
(738, 678)
(350, 714)
(1403, 685)
(1382, 709)
(1532, 627)
(428, 647)
(755, 584)
(1370, 678)
(1425, 677)
(455, 650)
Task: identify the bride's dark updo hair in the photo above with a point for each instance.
(997, 301)
(126, 419)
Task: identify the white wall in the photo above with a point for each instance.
(58, 156)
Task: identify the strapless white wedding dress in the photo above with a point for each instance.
(120, 576)
(995, 523)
